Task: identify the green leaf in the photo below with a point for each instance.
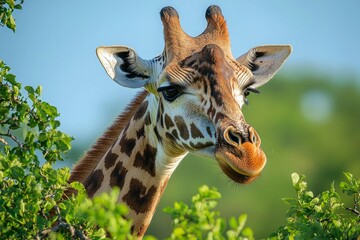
(11, 23)
(233, 223)
(247, 232)
(178, 232)
(10, 78)
(348, 176)
(242, 220)
(62, 206)
(22, 206)
(295, 178)
(30, 136)
(64, 144)
(337, 223)
(30, 89)
(318, 208)
(42, 137)
(38, 90)
(18, 6)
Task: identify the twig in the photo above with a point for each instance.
(356, 203)
(61, 224)
(8, 134)
(353, 211)
(3, 141)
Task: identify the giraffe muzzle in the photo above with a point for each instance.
(239, 154)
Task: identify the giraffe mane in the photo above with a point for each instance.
(92, 157)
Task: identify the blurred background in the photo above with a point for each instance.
(308, 116)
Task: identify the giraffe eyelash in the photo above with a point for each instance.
(251, 90)
(247, 92)
(170, 92)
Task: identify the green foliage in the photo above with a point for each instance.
(29, 123)
(322, 216)
(32, 200)
(105, 213)
(7, 8)
(200, 221)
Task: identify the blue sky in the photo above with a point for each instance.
(54, 45)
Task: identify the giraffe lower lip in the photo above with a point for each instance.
(228, 170)
(236, 175)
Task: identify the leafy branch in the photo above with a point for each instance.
(352, 188)
(321, 216)
(11, 136)
(7, 8)
(200, 221)
(59, 226)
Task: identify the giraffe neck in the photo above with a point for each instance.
(139, 164)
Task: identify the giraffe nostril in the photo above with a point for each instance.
(232, 136)
(254, 137)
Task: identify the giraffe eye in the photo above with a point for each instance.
(170, 93)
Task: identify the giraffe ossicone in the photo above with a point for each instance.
(194, 93)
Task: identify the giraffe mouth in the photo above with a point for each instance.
(235, 175)
(242, 165)
(236, 165)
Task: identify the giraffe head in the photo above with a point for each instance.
(199, 89)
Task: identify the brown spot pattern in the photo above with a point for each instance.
(110, 159)
(93, 182)
(117, 176)
(175, 134)
(140, 132)
(181, 126)
(168, 122)
(219, 116)
(195, 132)
(142, 110)
(147, 120)
(127, 145)
(146, 160)
(159, 114)
(211, 112)
(157, 134)
(138, 198)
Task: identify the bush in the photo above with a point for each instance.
(32, 202)
(323, 216)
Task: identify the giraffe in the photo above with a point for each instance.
(191, 101)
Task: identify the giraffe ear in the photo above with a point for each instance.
(124, 66)
(264, 61)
